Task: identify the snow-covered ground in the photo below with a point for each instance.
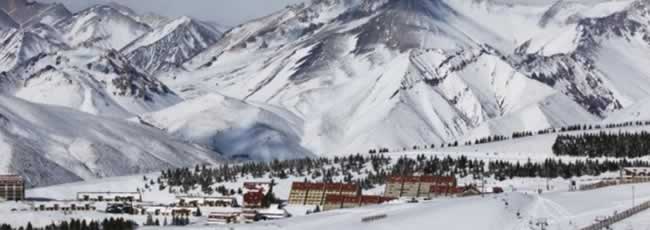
(640, 221)
(561, 210)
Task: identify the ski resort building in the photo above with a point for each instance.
(206, 201)
(258, 186)
(345, 201)
(12, 187)
(253, 199)
(110, 196)
(62, 206)
(305, 193)
(420, 186)
(224, 216)
(234, 215)
(255, 193)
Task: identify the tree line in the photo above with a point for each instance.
(373, 170)
(77, 224)
(603, 144)
(519, 134)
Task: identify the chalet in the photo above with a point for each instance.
(419, 186)
(253, 199)
(110, 196)
(206, 201)
(12, 187)
(305, 193)
(347, 201)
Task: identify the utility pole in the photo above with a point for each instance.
(633, 197)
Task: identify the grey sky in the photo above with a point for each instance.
(226, 12)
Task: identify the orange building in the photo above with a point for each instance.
(12, 187)
(306, 193)
(345, 201)
(419, 186)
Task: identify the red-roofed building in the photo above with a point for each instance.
(306, 193)
(12, 187)
(253, 199)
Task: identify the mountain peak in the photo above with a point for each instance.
(184, 19)
(105, 26)
(172, 44)
(113, 6)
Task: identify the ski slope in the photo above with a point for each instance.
(52, 145)
(562, 210)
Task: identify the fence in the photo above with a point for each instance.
(618, 217)
(613, 182)
(373, 218)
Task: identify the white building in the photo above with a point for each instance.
(225, 215)
(206, 201)
(162, 210)
(110, 196)
(62, 206)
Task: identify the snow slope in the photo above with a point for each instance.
(90, 80)
(51, 145)
(19, 45)
(235, 128)
(27, 13)
(561, 210)
(635, 112)
(6, 21)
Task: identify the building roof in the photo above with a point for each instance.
(426, 179)
(11, 178)
(224, 210)
(206, 197)
(335, 199)
(325, 186)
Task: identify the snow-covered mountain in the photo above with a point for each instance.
(51, 145)
(152, 20)
(603, 62)
(366, 74)
(171, 44)
(106, 26)
(342, 76)
(27, 13)
(235, 128)
(19, 45)
(89, 80)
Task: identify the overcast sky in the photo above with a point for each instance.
(226, 12)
